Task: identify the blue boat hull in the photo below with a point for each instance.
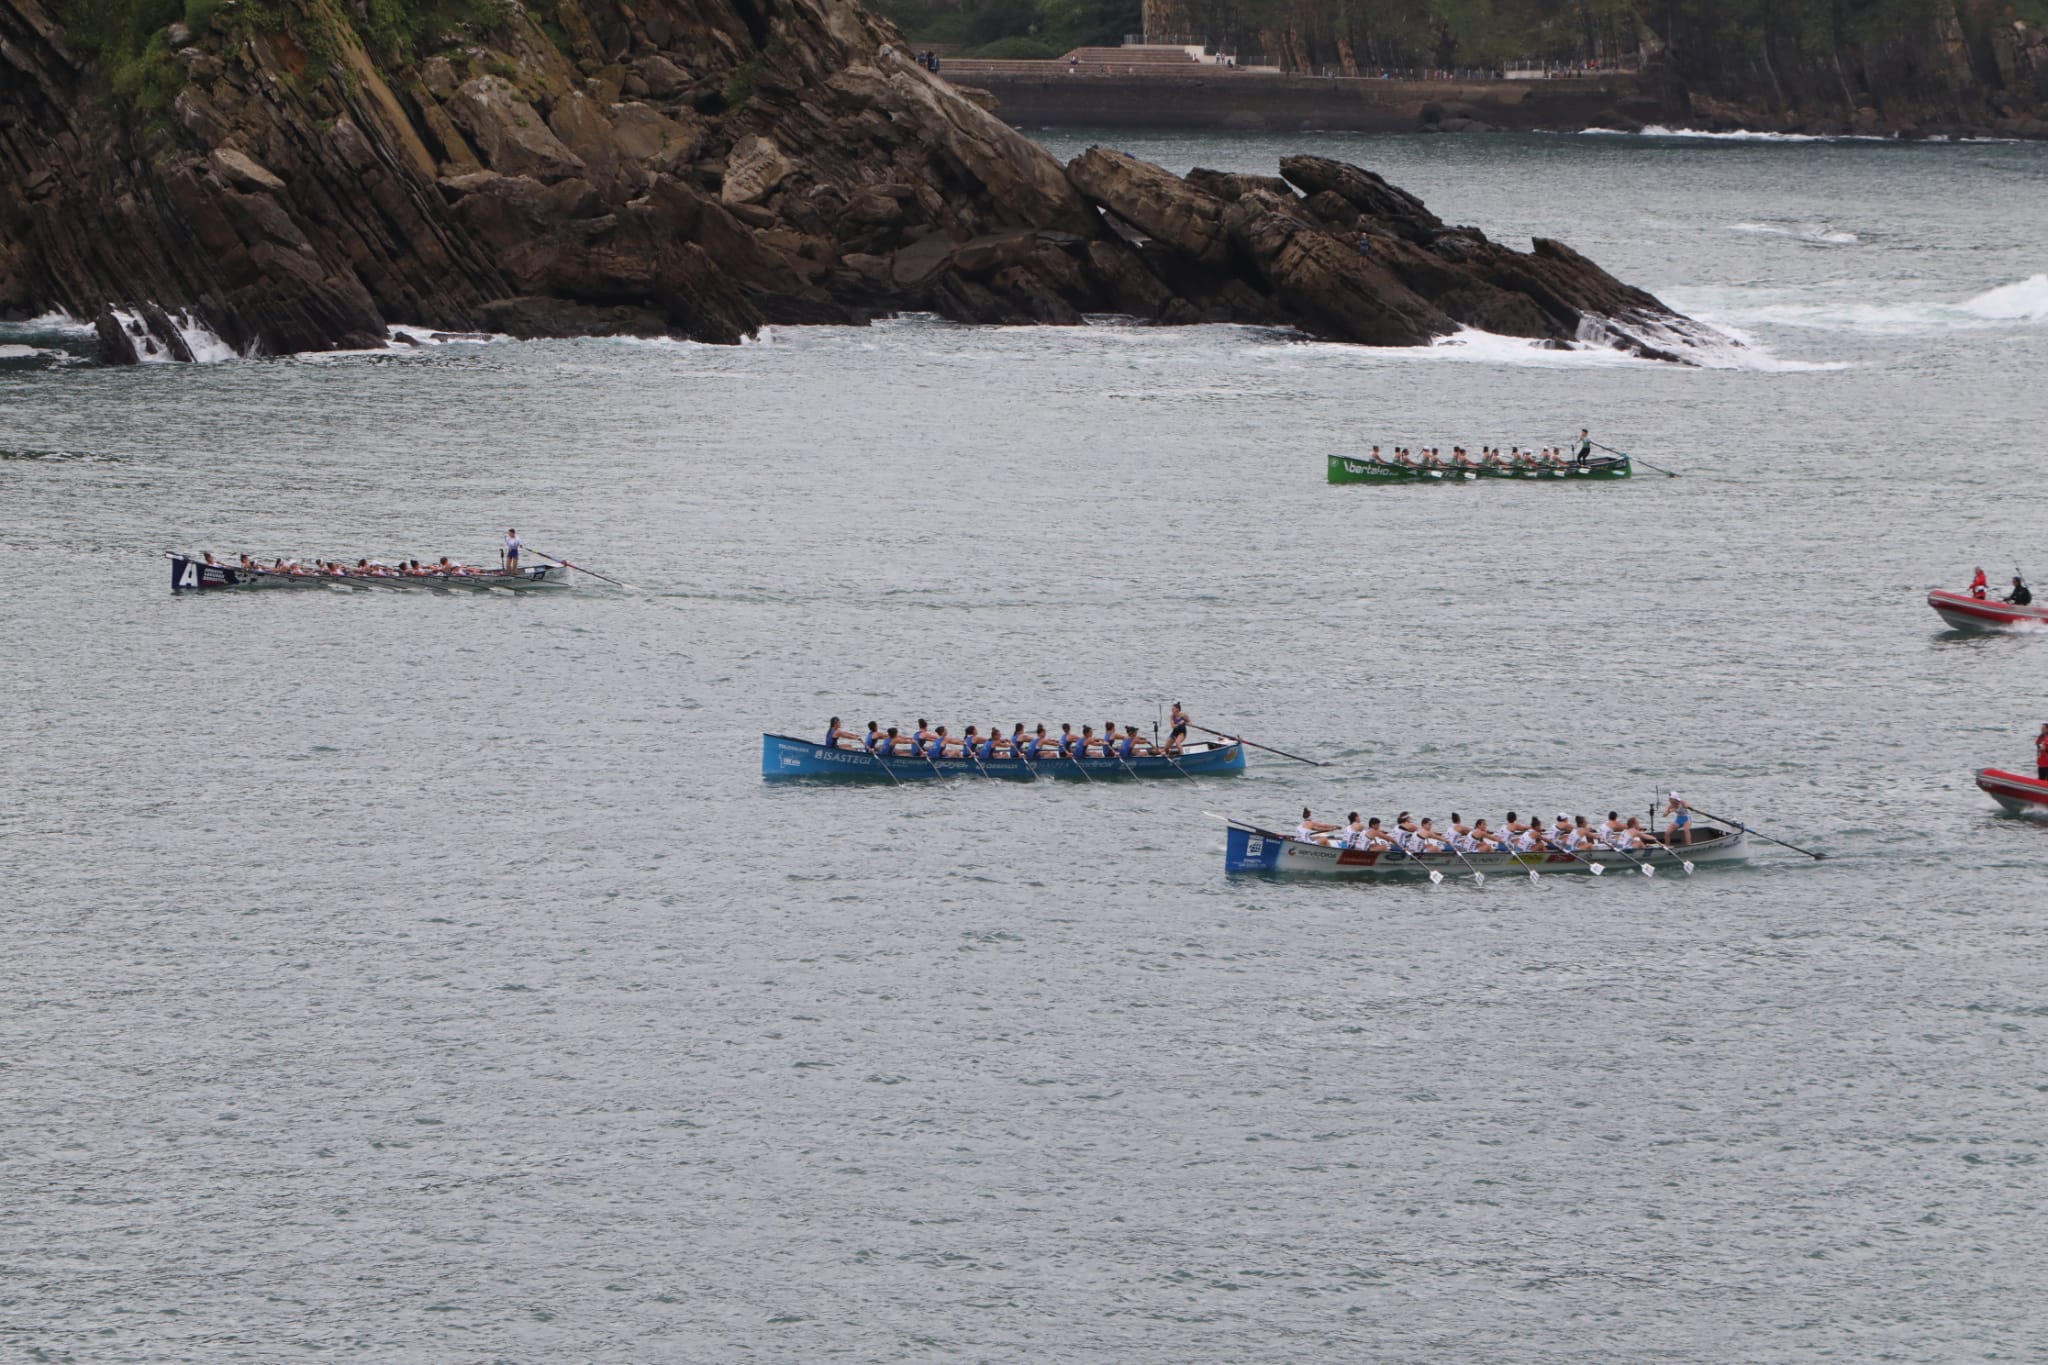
(784, 756)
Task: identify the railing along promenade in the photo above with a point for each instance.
(1170, 88)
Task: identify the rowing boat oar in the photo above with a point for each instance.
(1478, 877)
(967, 748)
(1084, 770)
(1642, 863)
(1110, 749)
(1817, 857)
(1435, 877)
(1599, 869)
(918, 749)
(885, 767)
(1634, 459)
(592, 572)
(1263, 833)
(1240, 739)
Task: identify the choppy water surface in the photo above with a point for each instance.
(424, 977)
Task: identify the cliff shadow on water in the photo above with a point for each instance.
(301, 175)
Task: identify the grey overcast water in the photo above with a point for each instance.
(434, 978)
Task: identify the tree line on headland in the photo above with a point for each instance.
(1948, 58)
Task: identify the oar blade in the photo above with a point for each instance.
(1478, 878)
(1436, 878)
(1599, 869)
(1649, 871)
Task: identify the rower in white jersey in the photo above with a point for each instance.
(1312, 831)
(513, 545)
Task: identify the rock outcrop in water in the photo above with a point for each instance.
(300, 180)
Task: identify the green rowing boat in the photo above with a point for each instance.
(1344, 469)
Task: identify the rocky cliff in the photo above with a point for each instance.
(1953, 68)
(299, 175)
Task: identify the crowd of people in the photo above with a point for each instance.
(1489, 457)
(362, 568)
(445, 567)
(1568, 834)
(1033, 746)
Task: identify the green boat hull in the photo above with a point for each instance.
(1344, 469)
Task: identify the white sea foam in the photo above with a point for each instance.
(2026, 301)
(1738, 135)
(1836, 309)
(432, 336)
(53, 321)
(10, 351)
(1815, 234)
(1472, 346)
(206, 348)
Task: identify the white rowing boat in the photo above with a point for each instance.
(1249, 848)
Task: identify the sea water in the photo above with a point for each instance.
(433, 977)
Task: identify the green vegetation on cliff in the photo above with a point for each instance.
(128, 37)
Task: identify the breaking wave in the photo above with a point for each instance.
(1815, 234)
(1739, 135)
(2023, 303)
(206, 348)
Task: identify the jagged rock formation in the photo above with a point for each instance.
(684, 167)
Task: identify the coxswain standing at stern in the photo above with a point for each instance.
(1681, 819)
(1178, 735)
(513, 545)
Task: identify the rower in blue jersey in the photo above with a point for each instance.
(939, 744)
(838, 736)
(873, 737)
(1066, 740)
(1129, 743)
(1178, 735)
(923, 735)
(1036, 743)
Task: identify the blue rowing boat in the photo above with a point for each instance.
(787, 756)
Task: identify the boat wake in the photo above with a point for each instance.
(1812, 234)
(1842, 307)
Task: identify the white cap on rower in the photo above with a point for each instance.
(1562, 816)
(1674, 796)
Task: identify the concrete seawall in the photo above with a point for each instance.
(1244, 102)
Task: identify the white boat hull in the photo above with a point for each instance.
(1249, 848)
